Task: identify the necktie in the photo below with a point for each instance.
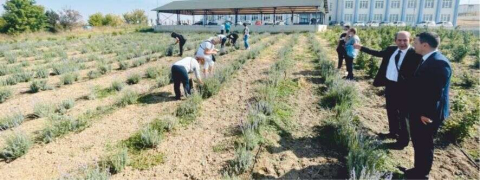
(397, 59)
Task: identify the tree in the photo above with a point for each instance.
(3, 23)
(52, 21)
(112, 20)
(137, 16)
(96, 19)
(69, 18)
(23, 16)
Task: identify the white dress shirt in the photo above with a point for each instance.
(392, 71)
(191, 65)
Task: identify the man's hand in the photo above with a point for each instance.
(357, 46)
(425, 120)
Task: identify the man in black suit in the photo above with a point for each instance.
(341, 47)
(398, 65)
(428, 101)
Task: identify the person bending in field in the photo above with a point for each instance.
(207, 51)
(223, 40)
(179, 39)
(180, 71)
(233, 38)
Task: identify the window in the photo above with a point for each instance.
(428, 3)
(362, 18)
(447, 4)
(348, 4)
(428, 17)
(378, 4)
(266, 18)
(279, 18)
(378, 17)
(348, 18)
(330, 7)
(255, 17)
(410, 17)
(395, 4)
(412, 3)
(393, 17)
(363, 4)
(445, 17)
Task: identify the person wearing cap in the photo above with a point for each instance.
(180, 71)
(207, 50)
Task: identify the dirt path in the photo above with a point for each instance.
(189, 153)
(74, 150)
(301, 155)
(449, 162)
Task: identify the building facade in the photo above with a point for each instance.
(408, 11)
(305, 18)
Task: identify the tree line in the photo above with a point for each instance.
(26, 16)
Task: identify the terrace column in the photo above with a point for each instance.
(236, 17)
(204, 17)
(404, 10)
(291, 23)
(437, 12)
(420, 11)
(337, 12)
(274, 15)
(370, 17)
(455, 12)
(355, 13)
(387, 11)
(158, 17)
(341, 9)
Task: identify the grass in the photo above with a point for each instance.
(5, 93)
(16, 146)
(68, 79)
(10, 121)
(127, 98)
(133, 79)
(146, 160)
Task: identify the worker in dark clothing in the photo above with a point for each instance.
(233, 38)
(180, 40)
(341, 47)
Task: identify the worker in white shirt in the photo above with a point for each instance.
(180, 71)
(207, 51)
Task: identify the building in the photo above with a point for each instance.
(469, 10)
(409, 11)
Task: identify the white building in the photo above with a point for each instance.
(409, 11)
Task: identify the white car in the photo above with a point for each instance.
(268, 23)
(373, 24)
(400, 24)
(281, 23)
(386, 23)
(426, 24)
(445, 24)
(359, 24)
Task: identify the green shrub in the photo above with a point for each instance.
(11, 121)
(123, 65)
(69, 78)
(5, 93)
(39, 85)
(65, 105)
(93, 74)
(242, 161)
(11, 58)
(164, 78)
(133, 79)
(11, 81)
(117, 85)
(468, 81)
(43, 109)
(24, 76)
(16, 146)
(210, 87)
(65, 67)
(128, 97)
(153, 72)
(4, 70)
(189, 109)
(372, 68)
(459, 53)
(139, 62)
(150, 137)
(116, 161)
(463, 126)
(476, 62)
(340, 94)
(103, 68)
(42, 73)
(59, 125)
(95, 173)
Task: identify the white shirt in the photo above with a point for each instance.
(392, 71)
(191, 65)
(426, 56)
(201, 50)
(221, 36)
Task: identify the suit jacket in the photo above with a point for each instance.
(429, 87)
(408, 67)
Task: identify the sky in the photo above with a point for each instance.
(88, 7)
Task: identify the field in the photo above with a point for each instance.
(101, 106)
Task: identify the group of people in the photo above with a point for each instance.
(417, 81)
(203, 58)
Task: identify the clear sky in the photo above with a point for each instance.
(88, 7)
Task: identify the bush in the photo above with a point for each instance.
(210, 87)
(460, 128)
(153, 72)
(69, 78)
(341, 94)
(65, 67)
(65, 105)
(42, 73)
(11, 121)
(11, 58)
(150, 137)
(24, 76)
(117, 85)
(468, 81)
(123, 65)
(116, 161)
(93, 74)
(164, 78)
(139, 62)
(39, 85)
(372, 68)
(4, 70)
(128, 97)
(189, 109)
(133, 79)
(43, 110)
(104, 68)
(16, 146)
(59, 125)
(5, 93)
(459, 53)
(95, 173)
(242, 161)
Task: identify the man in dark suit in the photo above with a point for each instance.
(341, 47)
(428, 101)
(398, 65)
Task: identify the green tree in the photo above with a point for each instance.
(52, 21)
(3, 23)
(112, 20)
(23, 16)
(137, 16)
(96, 19)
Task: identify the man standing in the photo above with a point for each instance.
(428, 92)
(398, 65)
(341, 47)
